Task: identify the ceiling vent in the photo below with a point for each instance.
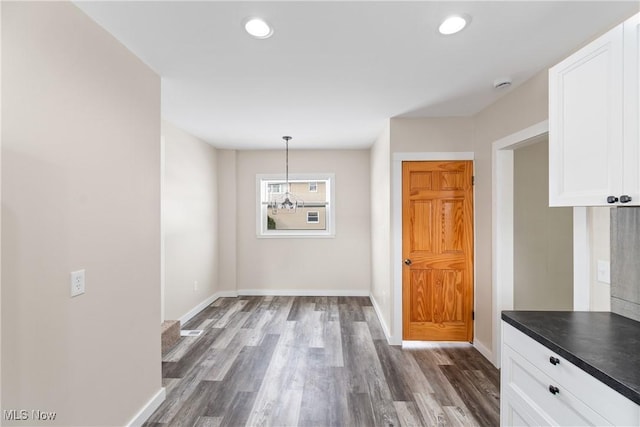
(502, 83)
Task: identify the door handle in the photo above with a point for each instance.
(407, 261)
(612, 199)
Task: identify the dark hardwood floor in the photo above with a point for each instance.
(318, 361)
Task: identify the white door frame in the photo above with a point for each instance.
(396, 229)
(502, 225)
(163, 146)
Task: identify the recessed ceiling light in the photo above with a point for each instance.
(258, 28)
(453, 24)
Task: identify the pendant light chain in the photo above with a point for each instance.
(287, 202)
(286, 139)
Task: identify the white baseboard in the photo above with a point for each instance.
(302, 293)
(484, 351)
(148, 409)
(385, 327)
(204, 304)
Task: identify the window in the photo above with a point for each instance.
(313, 217)
(314, 213)
(276, 188)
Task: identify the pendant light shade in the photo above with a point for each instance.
(285, 202)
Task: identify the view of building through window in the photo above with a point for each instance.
(311, 216)
(312, 196)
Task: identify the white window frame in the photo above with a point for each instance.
(317, 216)
(315, 187)
(261, 207)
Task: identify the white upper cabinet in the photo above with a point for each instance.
(594, 152)
(631, 109)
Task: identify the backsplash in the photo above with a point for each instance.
(625, 262)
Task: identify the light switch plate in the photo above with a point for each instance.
(77, 283)
(604, 271)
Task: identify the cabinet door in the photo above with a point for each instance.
(631, 151)
(516, 412)
(585, 124)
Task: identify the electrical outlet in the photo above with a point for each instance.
(604, 273)
(77, 283)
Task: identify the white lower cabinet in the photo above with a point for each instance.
(538, 388)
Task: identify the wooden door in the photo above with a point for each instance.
(437, 248)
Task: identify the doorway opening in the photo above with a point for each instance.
(542, 236)
(503, 232)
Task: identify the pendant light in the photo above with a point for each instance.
(286, 202)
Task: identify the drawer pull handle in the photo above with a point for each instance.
(625, 199)
(554, 360)
(553, 389)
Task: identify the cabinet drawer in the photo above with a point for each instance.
(607, 402)
(515, 411)
(532, 386)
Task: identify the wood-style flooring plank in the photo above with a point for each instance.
(195, 406)
(374, 324)
(474, 399)
(333, 344)
(393, 373)
(360, 410)
(239, 410)
(317, 361)
(192, 356)
(408, 414)
(281, 378)
(432, 412)
(208, 422)
(314, 410)
(443, 391)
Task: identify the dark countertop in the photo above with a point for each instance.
(605, 345)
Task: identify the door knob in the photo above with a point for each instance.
(554, 360)
(625, 199)
(553, 389)
(612, 199)
(407, 261)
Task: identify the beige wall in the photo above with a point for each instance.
(424, 135)
(190, 221)
(381, 259)
(543, 236)
(598, 220)
(518, 109)
(339, 264)
(80, 190)
(447, 134)
(227, 220)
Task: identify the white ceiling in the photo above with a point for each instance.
(334, 72)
